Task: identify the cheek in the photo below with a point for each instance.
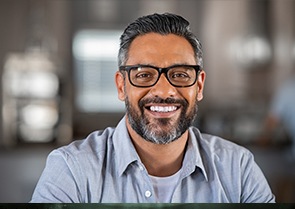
(190, 95)
(134, 94)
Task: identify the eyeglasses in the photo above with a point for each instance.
(147, 75)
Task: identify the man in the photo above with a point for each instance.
(154, 154)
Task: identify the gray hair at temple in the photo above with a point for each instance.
(164, 24)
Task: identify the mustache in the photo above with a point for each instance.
(158, 100)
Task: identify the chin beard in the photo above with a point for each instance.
(163, 130)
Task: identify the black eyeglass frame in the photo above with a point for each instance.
(164, 70)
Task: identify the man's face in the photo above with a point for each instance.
(161, 113)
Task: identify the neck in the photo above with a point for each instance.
(159, 159)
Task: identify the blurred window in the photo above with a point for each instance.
(95, 58)
(30, 98)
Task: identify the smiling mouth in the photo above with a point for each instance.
(162, 109)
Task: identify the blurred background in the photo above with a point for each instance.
(57, 65)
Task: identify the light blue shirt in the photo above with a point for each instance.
(105, 168)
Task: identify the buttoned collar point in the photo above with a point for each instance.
(124, 150)
(193, 158)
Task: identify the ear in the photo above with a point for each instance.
(119, 79)
(201, 83)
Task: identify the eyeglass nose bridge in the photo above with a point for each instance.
(163, 70)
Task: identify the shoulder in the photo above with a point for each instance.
(216, 143)
(95, 141)
(93, 147)
(219, 148)
(71, 168)
(233, 168)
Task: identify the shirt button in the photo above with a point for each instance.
(141, 167)
(148, 193)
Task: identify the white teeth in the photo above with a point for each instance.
(163, 109)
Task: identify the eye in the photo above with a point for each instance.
(143, 75)
(180, 75)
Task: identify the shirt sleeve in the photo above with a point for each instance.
(255, 188)
(59, 180)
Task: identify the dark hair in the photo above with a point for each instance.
(158, 23)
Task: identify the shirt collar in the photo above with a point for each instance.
(125, 152)
(193, 157)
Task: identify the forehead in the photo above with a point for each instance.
(160, 50)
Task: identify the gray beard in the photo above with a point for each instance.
(150, 130)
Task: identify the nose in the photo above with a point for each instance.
(163, 88)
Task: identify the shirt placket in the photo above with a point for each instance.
(147, 190)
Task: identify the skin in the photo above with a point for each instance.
(162, 51)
